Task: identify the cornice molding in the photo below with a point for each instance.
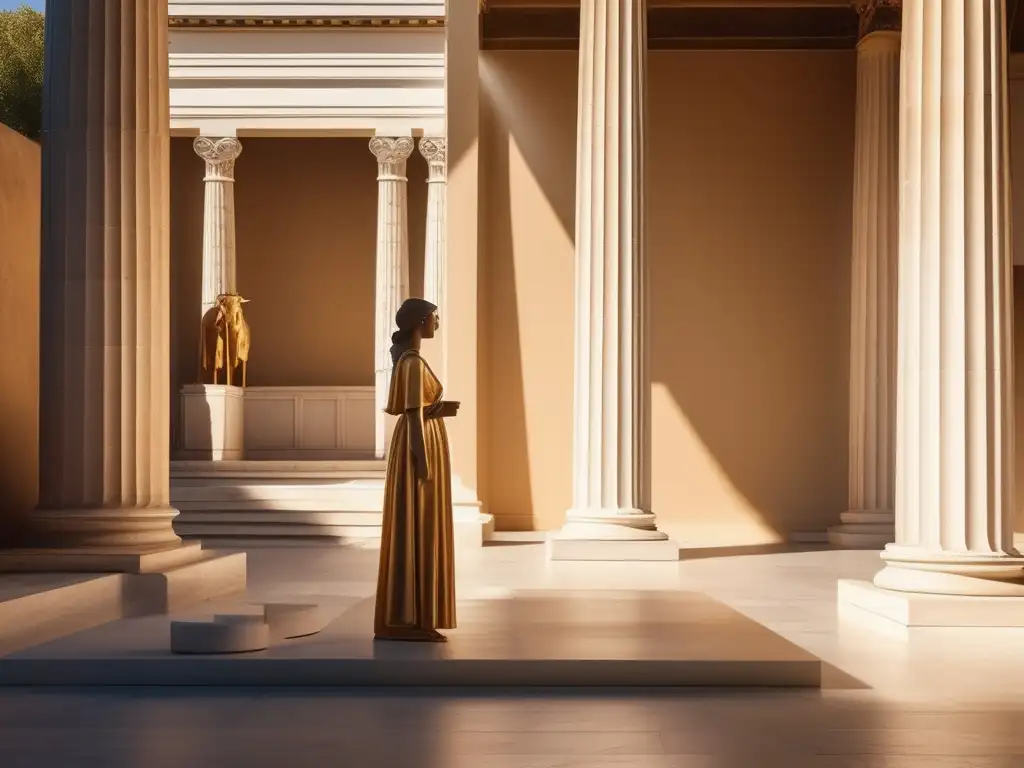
(188, 22)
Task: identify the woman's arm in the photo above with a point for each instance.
(414, 416)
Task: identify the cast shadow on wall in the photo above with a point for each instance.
(749, 248)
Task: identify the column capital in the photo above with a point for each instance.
(879, 16)
(435, 151)
(391, 155)
(220, 156)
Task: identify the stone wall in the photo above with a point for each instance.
(19, 327)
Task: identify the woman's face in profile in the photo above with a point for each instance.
(430, 325)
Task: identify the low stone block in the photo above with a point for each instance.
(225, 634)
(288, 620)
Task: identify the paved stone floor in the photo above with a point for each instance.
(892, 698)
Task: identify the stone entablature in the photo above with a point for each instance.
(313, 81)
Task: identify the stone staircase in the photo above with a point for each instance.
(278, 503)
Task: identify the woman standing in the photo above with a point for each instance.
(416, 577)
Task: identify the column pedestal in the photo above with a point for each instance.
(611, 518)
(955, 464)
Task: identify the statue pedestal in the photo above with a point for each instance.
(212, 422)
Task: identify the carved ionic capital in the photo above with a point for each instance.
(879, 16)
(220, 156)
(391, 155)
(435, 150)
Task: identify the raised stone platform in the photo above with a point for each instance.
(612, 550)
(42, 590)
(915, 610)
(523, 638)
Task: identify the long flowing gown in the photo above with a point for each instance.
(416, 576)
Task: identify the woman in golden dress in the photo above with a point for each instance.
(416, 577)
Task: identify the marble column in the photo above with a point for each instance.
(104, 330)
(392, 287)
(869, 518)
(955, 407)
(611, 516)
(218, 216)
(433, 150)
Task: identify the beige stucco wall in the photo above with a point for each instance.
(751, 159)
(19, 327)
(306, 221)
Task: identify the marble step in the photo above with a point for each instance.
(316, 496)
(279, 517)
(278, 470)
(205, 531)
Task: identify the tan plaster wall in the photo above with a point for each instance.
(306, 227)
(751, 157)
(19, 327)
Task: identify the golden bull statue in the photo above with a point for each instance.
(224, 341)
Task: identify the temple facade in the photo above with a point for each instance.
(726, 275)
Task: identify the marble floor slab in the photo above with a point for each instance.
(516, 637)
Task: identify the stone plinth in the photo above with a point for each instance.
(212, 422)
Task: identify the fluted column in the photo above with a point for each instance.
(869, 518)
(218, 216)
(104, 341)
(612, 439)
(434, 151)
(955, 455)
(392, 265)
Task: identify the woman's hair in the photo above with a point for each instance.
(409, 317)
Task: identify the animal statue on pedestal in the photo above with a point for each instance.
(224, 340)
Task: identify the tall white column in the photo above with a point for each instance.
(104, 328)
(434, 151)
(955, 453)
(218, 216)
(869, 518)
(612, 440)
(392, 266)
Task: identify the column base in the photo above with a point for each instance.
(135, 529)
(968, 575)
(212, 422)
(863, 529)
(626, 537)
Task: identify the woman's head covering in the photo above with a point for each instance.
(408, 318)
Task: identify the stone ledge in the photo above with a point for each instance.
(98, 559)
(658, 550)
(916, 610)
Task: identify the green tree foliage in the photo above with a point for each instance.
(21, 70)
